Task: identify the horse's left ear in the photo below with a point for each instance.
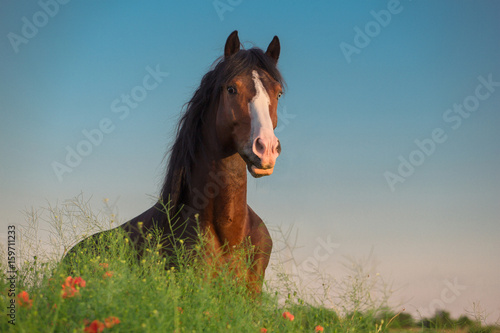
(273, 50)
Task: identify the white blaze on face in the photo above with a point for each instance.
(264, 145)
(259, 108)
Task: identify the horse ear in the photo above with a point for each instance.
(232, 44)
(273, 50)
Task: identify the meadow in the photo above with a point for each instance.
(111, 290)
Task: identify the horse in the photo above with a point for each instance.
(227, 127)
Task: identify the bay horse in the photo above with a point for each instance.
(228, 127)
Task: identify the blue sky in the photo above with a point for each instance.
(346, 121)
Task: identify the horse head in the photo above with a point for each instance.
(247, 109)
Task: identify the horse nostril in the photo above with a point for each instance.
(259, 146)
(278, 147)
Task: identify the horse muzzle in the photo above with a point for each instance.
(265, 150)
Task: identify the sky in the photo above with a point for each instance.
(389, 125)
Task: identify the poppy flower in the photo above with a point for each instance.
(107, 275)
(69, 292)
(95, 327)
(68, 282)
(263, 330)
(111, 321)
(23, 299)
(287, 315)
(104, 265)
(72, 282)
(69, 286)
(78, 281)
(319, 328)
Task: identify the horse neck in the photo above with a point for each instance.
(220, 195)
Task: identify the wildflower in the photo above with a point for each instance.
(104, 265)
(319, 328)
(23, 299)
(95, 327)
(181, 310)
(111, 321)
(69, 292)
(263, 330)
(107, 275)
(81, 282)
(68, 281)
(139, 224)
(73, 282)
(69, 286)
(287, 315)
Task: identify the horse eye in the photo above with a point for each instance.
(279, 95)
(232, 90)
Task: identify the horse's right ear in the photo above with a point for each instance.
(232, 44)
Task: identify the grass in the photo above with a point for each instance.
(119, 293)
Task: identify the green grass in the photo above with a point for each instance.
(148, 295)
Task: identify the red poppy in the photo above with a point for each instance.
(68, 282)
(111, 321)
(69, 292)
(107, 275)
(73, 282)
(104, 265)
(287, 315)
(78, 281)
(69, 285)
(319, 328)
(263, 330)
(95, 327)
(23, 299)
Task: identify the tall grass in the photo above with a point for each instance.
(149, 294)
